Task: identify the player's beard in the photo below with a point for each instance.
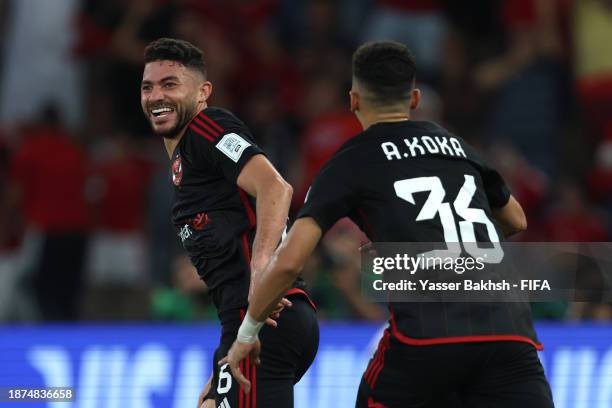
(183, 117)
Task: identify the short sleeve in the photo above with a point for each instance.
(330, 197)
(224, 148)
(495, 187)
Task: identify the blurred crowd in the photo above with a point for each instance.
(84, 191)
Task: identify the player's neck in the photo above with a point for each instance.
(379, 117)
(171, 143)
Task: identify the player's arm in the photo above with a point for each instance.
(284, 267)
(273, 196)
(278, 276)
(511, 217)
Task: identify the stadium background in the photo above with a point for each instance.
(84, 193)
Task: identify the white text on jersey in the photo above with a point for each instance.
(422, 145)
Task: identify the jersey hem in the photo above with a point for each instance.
(461, 339)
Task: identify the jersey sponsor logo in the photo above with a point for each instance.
(177, 171)
(199, 221)
(232, 145)
(185, 232)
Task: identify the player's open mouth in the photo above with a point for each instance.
(162, 111)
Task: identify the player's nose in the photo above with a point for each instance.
(156, 94)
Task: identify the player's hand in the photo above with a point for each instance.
(238, 352)
(271, 321)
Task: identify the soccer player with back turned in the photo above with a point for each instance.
(217, 170)
(407, 181)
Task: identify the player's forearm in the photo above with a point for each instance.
(272, 211)
(511, 217)
(274, 283)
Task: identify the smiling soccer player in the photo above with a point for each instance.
(217, 170)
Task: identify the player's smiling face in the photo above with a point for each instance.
(170, 95)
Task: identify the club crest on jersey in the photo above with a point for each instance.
(177, 171)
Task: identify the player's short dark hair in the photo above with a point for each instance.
(386, 69)
(172, 49)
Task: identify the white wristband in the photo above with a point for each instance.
(247, 333)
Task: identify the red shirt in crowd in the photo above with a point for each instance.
(123, 184)
(50, 171)
(321, 139)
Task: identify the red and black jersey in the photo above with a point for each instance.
(213, 217)
(415, 182)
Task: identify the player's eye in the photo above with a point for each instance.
(146, 88)
(169, 85)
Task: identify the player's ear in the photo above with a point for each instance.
(205, 91)
(415, 98)
(354, 95)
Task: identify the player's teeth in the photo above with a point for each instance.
(160, 110)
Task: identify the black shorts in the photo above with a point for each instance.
(466, 375)
(287, 352)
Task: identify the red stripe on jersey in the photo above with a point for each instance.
(376, 364)
(385, 347)
(247, 255)
(458, 339)
(247, 206)
(254, 386)
(374, 404)
(296, 291)
(371, 369)
(201, 133)
(247, 374)
(240, 392)
(211, 122)
(205, 127)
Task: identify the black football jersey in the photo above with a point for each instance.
(415, 182)
(213, 217)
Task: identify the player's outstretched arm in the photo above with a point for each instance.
(511, 217)
(273, 194)
(284, 267)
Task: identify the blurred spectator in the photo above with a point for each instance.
(38, 63)
(574, 219)
(117, 252)
(600, 177)
(525, 81)
(528, 184)
(162, 243)
(329, 125)
(47, 176)
(272, 130)
(420, 24)
(593, 62)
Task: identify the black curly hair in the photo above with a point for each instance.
(176, 50)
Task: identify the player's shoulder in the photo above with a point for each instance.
(223, 117)
(212, 123)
